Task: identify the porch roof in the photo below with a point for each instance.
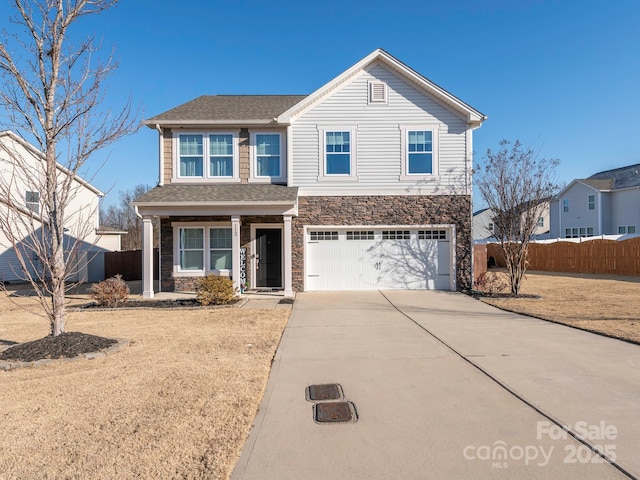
(210, 194)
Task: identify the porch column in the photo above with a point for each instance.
(235, 250)
(288, 287)
(147, 257)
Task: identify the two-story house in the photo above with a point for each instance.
(363, 184)
(606, 203)
(22, 168)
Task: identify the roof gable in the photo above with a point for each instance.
(470, 114)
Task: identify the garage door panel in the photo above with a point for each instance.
(347, 264)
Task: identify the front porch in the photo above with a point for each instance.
(249, 241)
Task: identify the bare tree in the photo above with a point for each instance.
(515, 183)
(123, 216)
(52, 93)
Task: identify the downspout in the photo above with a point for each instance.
(160, 155)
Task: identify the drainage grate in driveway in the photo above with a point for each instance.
(334, 412)
(320, 393)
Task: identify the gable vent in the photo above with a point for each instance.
(377, 92)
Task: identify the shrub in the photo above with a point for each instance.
(110, 292)
(490, 282)
(214, 290)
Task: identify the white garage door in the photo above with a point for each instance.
(369, 259)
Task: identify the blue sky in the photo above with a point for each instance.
(561, 76)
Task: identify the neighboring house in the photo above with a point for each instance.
(17, 188)
(363, 184)
(482, 225)
(607, 203)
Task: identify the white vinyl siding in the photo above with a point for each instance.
(378, 140)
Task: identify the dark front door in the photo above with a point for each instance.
(269, 257)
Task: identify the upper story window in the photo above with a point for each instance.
(419, 152)
(338, 153)
(592, 202)
(212, 156)
(565, 205)
(32, 201)
(191, 155)
(540, 221)
(221, 155)
(267, 157)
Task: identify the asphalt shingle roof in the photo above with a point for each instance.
(190, 193)
(618, 178)
(229, 108)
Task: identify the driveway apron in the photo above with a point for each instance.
(423, 410)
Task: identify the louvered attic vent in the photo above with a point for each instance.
(377, 92)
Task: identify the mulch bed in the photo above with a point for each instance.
(65, 345)
(181, 302)
(480, 294)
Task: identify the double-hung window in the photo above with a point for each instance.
(220, 248)
(207, 155)
(419, 152)
(202, 249)
(268, 156)
(338, 153)
(32, 201)
(591, 200)
(565, 205)
(191, 249)
(221, 155)
(191, 155)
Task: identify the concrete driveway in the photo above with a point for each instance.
(444, 387)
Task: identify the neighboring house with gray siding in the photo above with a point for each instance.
(606, 203)
(363, 184)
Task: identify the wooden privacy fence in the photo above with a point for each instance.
(592, 256)
(128, 264)
(479, 260)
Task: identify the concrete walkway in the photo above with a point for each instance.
(426, 409)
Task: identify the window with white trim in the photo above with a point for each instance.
(591, 201)
(191, 249)
(565, 205)
(540, 222)
(624, 229)
(32, 201)
(589, 231)
(419, 152)
(268, 155)
(338, 153)
(203, 249)
(211, 155)
(220, 257)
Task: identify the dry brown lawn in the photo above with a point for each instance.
(177, 403)
(608, 304)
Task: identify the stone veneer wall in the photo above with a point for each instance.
(386, 210)
(187, 284)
